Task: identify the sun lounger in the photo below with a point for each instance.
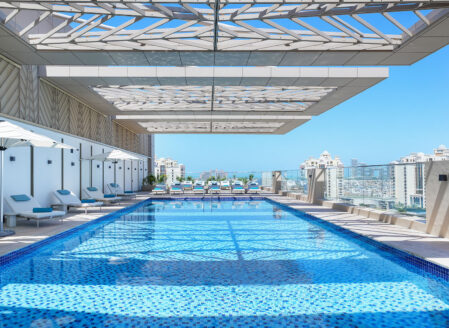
(94, 193)
(187, 185)
(225, 185)
(68, 199)
(117, 190)
(253, 188)
(214, 188)
(176, 189)
(199, 189)
(160, 189)
(238, 188)
(27, 207)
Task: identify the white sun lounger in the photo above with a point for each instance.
(198, 189)
(68, 199)
(238, 188)
(176, 188)
(253, 188)
(94, 193)
(26, 206)
(116, 189)
(160, 189)
(214, 188)
(225, 185)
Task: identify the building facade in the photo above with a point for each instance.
(171, 169)
(334, 173)
(409, 178)
(34, 103)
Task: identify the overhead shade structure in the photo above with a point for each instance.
(12, 135)
(113, 156)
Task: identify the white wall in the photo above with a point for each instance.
(108, 172)
(71, 176)
(128, 176)
(119, 173)
(47, 176)
(60, 173)
(17, 174)
(135, 175)
(141, 175)
(97, 168)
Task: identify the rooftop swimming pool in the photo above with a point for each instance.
(229, 263)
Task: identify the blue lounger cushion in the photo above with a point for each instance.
(87, 200)
(92, 188)
(129, 192)
(108, 195)
(114, 185)
(158, 189)
(20, 198)
(42, 209)
(63, 192)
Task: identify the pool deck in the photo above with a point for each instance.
(431, 248)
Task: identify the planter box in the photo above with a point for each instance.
(147, 188)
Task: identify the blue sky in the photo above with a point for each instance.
(408, 112)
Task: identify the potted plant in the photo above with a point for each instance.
(148, 183)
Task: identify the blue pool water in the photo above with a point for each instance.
(215, 264)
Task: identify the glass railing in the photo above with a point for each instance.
(395, 187)
(291, 180)
(262, 178)
(294, 181)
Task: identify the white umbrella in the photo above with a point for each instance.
(12, 135)
(113, 156)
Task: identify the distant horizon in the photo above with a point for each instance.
(406, 113)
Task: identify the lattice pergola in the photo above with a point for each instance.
(218, 25)
(214, 100)
(214, 127)
(218, 66)
(230, 98)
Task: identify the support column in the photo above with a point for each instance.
(316, 181)
(436, 197)
(276, 178)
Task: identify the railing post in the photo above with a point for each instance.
(276, 182)
(316, 181)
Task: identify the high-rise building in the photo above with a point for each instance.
(409, 178)
(170, 168)
(334, 173)
(325, 160)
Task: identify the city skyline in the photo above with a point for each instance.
(401, 107)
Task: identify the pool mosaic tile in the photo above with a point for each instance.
(220, 263)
